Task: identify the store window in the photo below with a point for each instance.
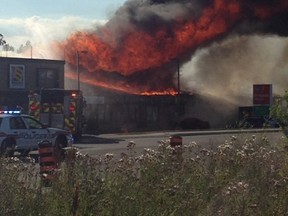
(48, 78)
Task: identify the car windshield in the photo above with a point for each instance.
(33, 123)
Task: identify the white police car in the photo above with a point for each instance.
(22, 133)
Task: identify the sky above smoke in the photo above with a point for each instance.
(43, 21)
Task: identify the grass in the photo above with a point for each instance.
(243, 176)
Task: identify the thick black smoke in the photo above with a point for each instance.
(150, 15)
(225, 68)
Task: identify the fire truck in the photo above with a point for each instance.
(58, 108)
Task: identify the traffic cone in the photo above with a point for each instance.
(49, 159)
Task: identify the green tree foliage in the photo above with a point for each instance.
(2, 41)
(279, 110)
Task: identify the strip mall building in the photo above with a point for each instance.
(107, 111)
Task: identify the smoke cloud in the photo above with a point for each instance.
(223, 47)
(144, 39)
(228, 69)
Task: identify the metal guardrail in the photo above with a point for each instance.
(187, 133)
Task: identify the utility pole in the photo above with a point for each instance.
(177, 97)
(77, 65)
(178, 77)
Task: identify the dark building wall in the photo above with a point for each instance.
(21, 75)
(32, 73)
(217, 113)
(132, 113)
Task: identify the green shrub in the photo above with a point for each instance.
(279, 110)
(246, 175)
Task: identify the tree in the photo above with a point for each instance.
(279, 110)
(24, 48)
(7, 48)
(2, 41)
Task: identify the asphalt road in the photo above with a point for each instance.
(97, 145)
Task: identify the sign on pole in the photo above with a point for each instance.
(262, 94)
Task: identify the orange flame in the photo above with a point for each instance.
(138, 50)
(119, 86)
(166, 92)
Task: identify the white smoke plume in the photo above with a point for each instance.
(228, 69)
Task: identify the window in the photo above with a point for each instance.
(48, 78)
(33, 123)
(17, 123)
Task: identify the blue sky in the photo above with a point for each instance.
(92, 9)
(43, 21)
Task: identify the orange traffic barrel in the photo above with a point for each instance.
(175, 141)
(48, 157)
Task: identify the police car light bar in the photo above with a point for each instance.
(10, 112)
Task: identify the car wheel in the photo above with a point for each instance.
(7, 148)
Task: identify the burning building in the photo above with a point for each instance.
(139, 50)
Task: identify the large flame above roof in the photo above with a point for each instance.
(144, 39)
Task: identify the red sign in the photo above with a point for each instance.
(262, 94)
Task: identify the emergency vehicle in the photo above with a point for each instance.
(22, 133)
(58, 108)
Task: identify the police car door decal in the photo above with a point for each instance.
(19, 130)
